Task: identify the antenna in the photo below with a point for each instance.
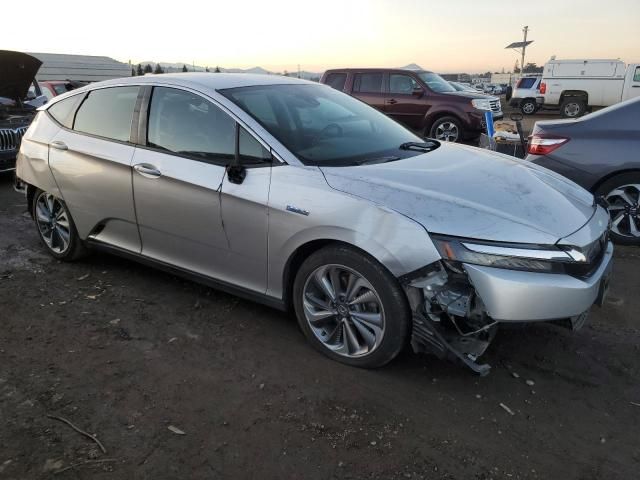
(521, 47)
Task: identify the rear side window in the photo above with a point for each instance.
(64, 110)
(336, 80)
(636, 75)
(108, 113)
(186, 124)
(367, 83)
(526, 82)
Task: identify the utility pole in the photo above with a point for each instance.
(525, 30)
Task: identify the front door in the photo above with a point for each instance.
(406, 102)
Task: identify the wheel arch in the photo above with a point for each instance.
(611, 175)
(574, 93)
(431, 119)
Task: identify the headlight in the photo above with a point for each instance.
(511, 256)
(481, 104)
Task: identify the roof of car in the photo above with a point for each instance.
(401, 70)
(214, 81)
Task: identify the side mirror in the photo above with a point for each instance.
(236, 173)
(418, 92)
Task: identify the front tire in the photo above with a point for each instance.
(350, 307)
(446, 129)
(55, 226)
(622, 192)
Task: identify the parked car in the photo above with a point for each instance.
(17, 71)
(575, 86)
(294, 194)
(494, 102)
(600, 153)
(53, 88)
(524, 96)
(421, 100)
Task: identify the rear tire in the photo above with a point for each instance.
(528, 106)
(55, 227)
(623, 194)
(573, 107)
(364, 322)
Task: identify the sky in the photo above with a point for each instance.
(444, 36)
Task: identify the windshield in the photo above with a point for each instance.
(322, 126)
(435, 82)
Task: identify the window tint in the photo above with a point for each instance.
(402, 84)
(107, 113)
(64, 110)
(60, 88)
(526, 82)
(336, 80)
(367, 83)
(184, 123)
(636, 75)
(251, 150)
(435, 82)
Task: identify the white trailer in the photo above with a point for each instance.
(575, 86)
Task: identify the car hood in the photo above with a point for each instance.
(469, 192)
(469, 95)
(17, 71)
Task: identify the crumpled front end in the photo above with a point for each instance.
(458, 301)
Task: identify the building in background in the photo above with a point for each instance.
(79, 68)
(503, 78)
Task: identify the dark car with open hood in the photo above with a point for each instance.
(17, 71)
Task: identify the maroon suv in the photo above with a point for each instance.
(421, 100)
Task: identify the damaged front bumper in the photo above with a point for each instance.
(457, 308)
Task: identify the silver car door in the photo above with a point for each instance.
(245, 215)
(177, 175)
(91, 165)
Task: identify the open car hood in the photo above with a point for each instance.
(17, 71)
(468, 192)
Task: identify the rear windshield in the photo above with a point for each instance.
(322, 126)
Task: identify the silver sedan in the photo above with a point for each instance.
(293, 194)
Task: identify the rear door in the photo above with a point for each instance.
(90, 158)
(406, 100)
(369, 87)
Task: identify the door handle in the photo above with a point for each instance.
(147, 170)
(393, 101)
(58, 145)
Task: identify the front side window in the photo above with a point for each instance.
(322, 126)
(401, 84)
(186, 124)
(250, 150)
(636, 75)
(367, 82)
(107, 113)
(435, 82)
(64, 110)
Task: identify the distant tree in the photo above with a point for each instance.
(133, 72)
(532, 68)
(184, 68)
(158, 69)
(206, 69)
(148, 69)
(139, 71)
(217, 70)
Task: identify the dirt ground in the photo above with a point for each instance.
(126, 352)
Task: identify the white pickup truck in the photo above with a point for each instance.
(577, 85)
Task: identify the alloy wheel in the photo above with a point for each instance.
(528, 108)
(447, 131)
(624, 209)
(343, 310)
(52, 219)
